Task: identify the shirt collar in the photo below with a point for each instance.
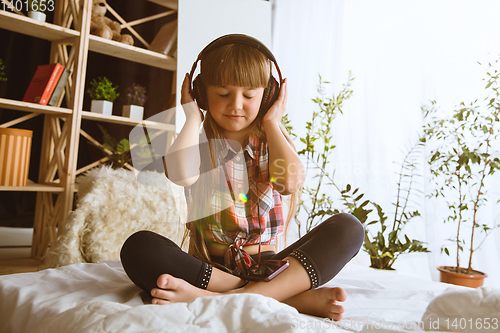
(252, 145)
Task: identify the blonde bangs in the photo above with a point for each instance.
(235, 65)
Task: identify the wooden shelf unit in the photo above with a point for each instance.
(62, 126)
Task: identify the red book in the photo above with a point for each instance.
(43, 83)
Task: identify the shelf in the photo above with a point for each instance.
(126, 121)
(33, 187)
(173, 4)
(131, 53)
(32, 107)
(27, 26)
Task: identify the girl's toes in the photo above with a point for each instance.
(166, 281)
(159, 301)
(335, 316)
(336, 308)
(339, 294)
(162, 294)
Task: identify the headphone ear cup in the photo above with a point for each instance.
(270, 95)
(198, 93)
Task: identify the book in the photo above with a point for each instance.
(43, 83)
(59, 87)
(165, 40)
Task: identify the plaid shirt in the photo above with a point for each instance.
(233, 217)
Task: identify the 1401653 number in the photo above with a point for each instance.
(470, 324)
(29, 5)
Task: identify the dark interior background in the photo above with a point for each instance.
(23, 54)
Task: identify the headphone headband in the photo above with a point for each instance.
(238, 39)
(235, 39)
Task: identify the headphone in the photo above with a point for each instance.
(271, 93)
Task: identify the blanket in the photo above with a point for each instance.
(99, 297)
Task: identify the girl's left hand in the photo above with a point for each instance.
(278, 109)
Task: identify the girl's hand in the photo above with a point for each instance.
(190, 107)
(278, 109)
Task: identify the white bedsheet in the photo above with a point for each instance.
(101, 298)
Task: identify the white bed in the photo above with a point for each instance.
(99, 297)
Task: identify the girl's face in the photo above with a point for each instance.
(234, 108)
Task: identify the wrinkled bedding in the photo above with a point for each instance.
(101, 298)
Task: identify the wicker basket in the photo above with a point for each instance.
(15, 151)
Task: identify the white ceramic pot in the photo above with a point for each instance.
(133, 111)
(39, 16)
(102, 106)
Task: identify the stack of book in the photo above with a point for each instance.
(47, 84)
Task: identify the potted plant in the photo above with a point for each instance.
(3, 77)
(36, 9)
(135, 99)
(387, 244)
(461, 163)
(103, 95)
(117, 151)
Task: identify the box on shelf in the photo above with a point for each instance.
(15, 152)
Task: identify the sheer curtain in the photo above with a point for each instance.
(402, 55)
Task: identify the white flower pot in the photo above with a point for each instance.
(102, 106)
(39, 16)
(133, 111)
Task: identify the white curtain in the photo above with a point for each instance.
(402, 55)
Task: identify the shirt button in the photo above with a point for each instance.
(238, 158)
(239, 185)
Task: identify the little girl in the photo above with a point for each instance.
(243, 144)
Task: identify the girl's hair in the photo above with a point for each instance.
(238, 65)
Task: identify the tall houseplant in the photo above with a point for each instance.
(461, 163)
(387, 244)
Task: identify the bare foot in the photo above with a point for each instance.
(173, 290)
(322, 302)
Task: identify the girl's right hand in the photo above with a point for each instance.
(190, 107)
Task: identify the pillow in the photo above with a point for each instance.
(464, 310)
(112, 205)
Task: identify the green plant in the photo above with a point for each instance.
(319, 130)
(463, 160)
(3, 76)
(120, 149)
(102, 89)
(136, 95)
(385, 247)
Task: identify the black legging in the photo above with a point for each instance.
(323, 251)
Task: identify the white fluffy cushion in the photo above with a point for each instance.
(464, 310)
(112, 205)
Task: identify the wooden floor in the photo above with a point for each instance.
(19, 265)
(15, 251)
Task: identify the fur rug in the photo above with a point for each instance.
(112, 205)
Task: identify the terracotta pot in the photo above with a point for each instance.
(15, 152)
(460, 279)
